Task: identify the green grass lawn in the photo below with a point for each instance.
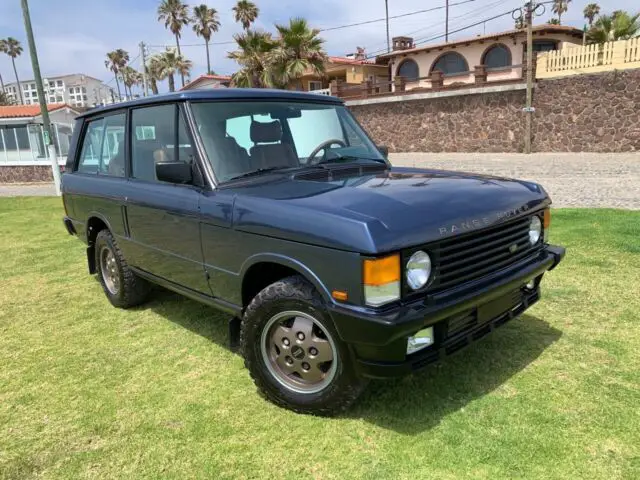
(87, 390)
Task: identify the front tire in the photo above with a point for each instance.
(293, 352)
(123, 288)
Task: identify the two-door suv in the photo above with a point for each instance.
(278, 208)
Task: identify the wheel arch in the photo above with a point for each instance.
(96, 222)
(262, 270)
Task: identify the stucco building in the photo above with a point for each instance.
(489, 58)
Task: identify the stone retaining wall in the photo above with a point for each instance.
(591, 113)
(26, 174)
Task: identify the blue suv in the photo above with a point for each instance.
(278, 208)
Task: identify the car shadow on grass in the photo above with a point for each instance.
(418, 402)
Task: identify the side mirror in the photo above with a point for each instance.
(174, 172)
(384, 150)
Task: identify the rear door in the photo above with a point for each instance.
(95, 188)
(163, 218)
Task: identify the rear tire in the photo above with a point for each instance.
(293, 352)
(123, 288)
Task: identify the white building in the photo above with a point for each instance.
(76, 90)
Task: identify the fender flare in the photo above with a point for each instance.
(289, 262)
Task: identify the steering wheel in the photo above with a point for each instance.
(322, 146)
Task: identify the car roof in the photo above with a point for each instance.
(224, 94)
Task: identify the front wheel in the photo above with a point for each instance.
(293, 352)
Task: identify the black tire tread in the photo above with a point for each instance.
(134, 290)
(295, 288)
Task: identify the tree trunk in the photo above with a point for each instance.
(172, 84)
(13, 60)
(206, 42)
(118, 86)
(179, 53)
(154, 86)
(559, 17)
(1, 84)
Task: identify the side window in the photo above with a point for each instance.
(103, 146)
(159, 134)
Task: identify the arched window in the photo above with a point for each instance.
(409, 70)
(497, 56)
(451, 63)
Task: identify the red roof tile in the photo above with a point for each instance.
(222, 78)
(350, 61)
(18, 111)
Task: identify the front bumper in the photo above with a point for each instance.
(378, 338)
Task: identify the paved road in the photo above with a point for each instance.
(27, 189)
(572, 179)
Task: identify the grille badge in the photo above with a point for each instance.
(513, 248)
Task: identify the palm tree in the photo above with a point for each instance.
(246, 13)
(253, 55)
(205, 23)
(154, 72)
(4, 99)
(559, 7)
(171, 62)
(299, 50)
(590, 12)
(116, 60)
(175, 15)
(3, 49)
(553, 21)
(130, 77)
(608, 28)
(12, 47)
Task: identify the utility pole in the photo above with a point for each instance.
(143, 55)
(46, 124)
(529, 7)
(386, 8)
(446, 22)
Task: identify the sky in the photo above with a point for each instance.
(73, 36)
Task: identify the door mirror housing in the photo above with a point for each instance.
(384, 150)
(174, 172)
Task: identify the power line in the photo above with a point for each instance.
(329, 29)
(394, 16)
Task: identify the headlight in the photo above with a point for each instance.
(418, 270)
(535, 229)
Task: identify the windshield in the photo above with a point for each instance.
(245, 138)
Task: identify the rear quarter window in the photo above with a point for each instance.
(102, 150)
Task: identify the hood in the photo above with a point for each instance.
(382, 212)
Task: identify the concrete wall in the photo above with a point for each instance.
(590, 113)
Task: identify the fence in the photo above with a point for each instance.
(621, 54)
(25, 144)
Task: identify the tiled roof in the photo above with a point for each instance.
(546, 28)
(222, 78)
(18, 111)
(350, 61)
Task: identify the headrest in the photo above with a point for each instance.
(266, 132)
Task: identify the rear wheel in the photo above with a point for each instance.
(123, 288)
(293, 352)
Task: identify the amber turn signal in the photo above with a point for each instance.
(380, 271)
(340, 295)
(547, 218)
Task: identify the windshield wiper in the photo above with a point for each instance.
(256, 172)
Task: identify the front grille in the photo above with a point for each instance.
(474, 255)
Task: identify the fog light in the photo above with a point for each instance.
(530, 285)
(420, 340)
